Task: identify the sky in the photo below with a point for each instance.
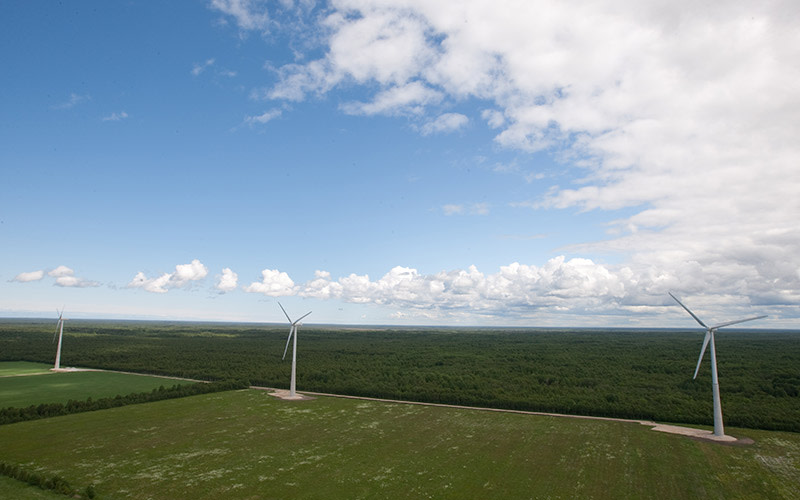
(471, 162)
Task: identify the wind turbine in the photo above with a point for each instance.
(292, 334)
(60, 334)
(718, 427)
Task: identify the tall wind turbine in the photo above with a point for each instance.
(718, 427)
(292, 334)
(60, 334)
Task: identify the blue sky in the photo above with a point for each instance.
(395, 162)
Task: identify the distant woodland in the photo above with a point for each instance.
(618, 373)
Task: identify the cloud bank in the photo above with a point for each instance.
(686, 114)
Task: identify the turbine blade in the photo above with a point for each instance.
(729, 323)
(301, 317)
(285, 313)
(702, 352)
(285, 349)
(687, 310)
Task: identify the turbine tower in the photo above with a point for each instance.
(719, 430)
(292, 334)
(60, 334)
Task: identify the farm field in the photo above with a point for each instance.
(246, 444)
(51, 387)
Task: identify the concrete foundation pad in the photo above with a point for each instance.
(700, 434)
(283, 394)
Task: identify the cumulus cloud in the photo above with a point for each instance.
(184, 275)
(577, 284)
(227, 281)
(684, 113)
(410, 98)
(64, 277)
(29, 276)
(273, 283)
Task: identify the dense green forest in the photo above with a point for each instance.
(620, 373)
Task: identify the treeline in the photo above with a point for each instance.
(54, 483)
(618, 373)
(11, 415)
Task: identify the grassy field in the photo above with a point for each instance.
(61, 387)
(246, 444)
(11, 368)
(11, 488)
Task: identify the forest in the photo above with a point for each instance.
(643, 374)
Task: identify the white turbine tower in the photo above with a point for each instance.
(292, 334)
(719, 430)
(60, 334)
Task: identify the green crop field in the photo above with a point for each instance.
(61, 387)
(246, 444)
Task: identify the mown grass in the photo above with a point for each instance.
(61, 387)
(246, 444)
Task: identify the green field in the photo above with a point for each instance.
(11, 488)
(12, 368)
(61, 387)
(246, 444)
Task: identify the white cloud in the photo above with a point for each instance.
(473, 209)
(184, 273)
(183, 276)
(74, 100)
(273, 283)
(263, 118)
(115, 117)
(29, 276)
(249, 14)
(153, 285)
(580, 283)
(199, 68)
(447, 122)
(410, 98)
(684, 113)
(452, 209)
(227, 281)
(65, 277)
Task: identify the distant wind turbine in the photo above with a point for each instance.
(60, 334)
(718, 427)
(292, 334)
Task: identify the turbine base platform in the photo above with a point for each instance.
(700, 434)
(64, 370)
(283, 394)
